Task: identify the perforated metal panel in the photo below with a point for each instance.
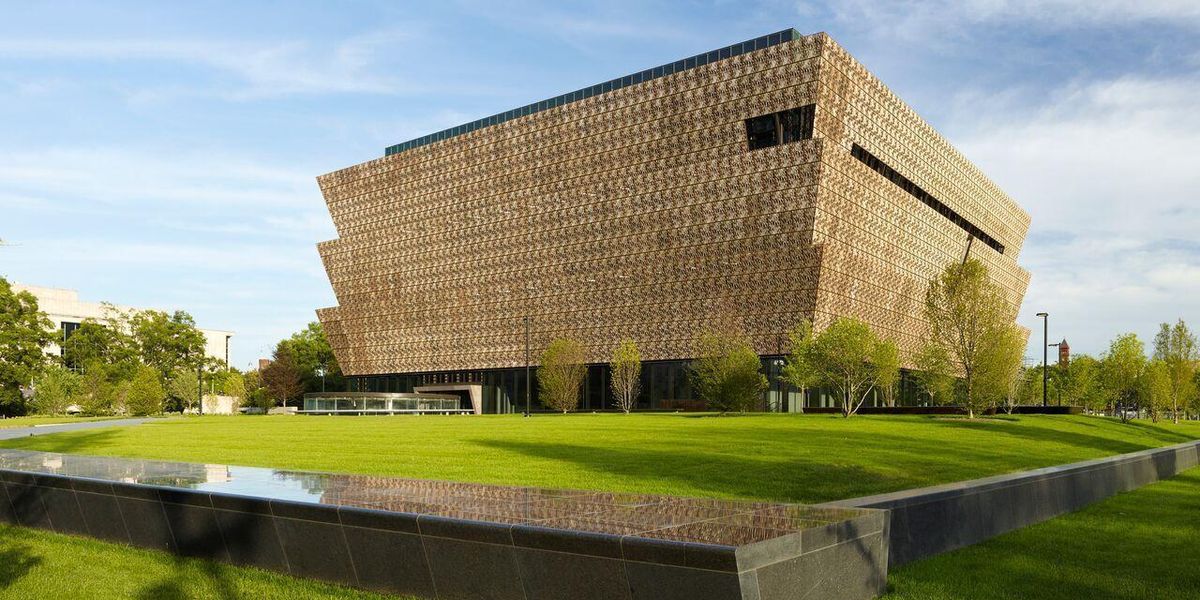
(641, 212)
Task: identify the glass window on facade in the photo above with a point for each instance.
(761, 132)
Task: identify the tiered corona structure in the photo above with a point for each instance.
(749, 188)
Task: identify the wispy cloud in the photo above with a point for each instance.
(1108, 171)
(262, 68)
(911, 19)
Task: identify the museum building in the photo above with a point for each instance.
(745, 189)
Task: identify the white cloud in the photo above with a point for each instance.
(263, 68)
(912, 20)
(1108, 172)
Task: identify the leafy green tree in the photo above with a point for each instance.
(96, 395)
(972, 321)
(998, 369)
(256, 394)
(797, 371)
(1121, 372)
(145, 393)
(932, 374)
(1081, 383)
(53, 390)
(183, 389)
(853, 362)
(312, 353)
(1175, 347)
(561, 374)
(107, 340)
(234, 385)
(726, 373)
(626, 368)
(167, 342)
(1154, 388)
(24, 333)
(282, 378)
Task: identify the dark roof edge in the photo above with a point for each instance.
(685, 64)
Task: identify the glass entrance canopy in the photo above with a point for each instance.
(365, 403)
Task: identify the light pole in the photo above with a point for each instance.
(321, 374)
(527, 381)
(1045, 353)
(200, 386)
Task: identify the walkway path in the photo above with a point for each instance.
(18, 432)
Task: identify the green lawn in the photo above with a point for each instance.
(39, 564)
(1140, 545)
(803, 458)
(34, 421)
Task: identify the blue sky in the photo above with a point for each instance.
(159, 154)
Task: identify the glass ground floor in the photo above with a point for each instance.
(665, 386)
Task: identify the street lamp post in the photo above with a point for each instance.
(1045, 353)
(200, 387)
(321, 374)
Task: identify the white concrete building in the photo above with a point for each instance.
(67, 311)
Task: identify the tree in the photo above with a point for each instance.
(970, 319)
(107, 340)
(184, 389)
(167, 342)
(797, 371)
(1081, 383)
(145, 393)
(626, 370)
(312, 353)
(24, 333)
(726, 373)
(932, 374)
(853, 362)
(235, 387)
(281, 378)
(1121, 369)
(998, 370)
(96, 395)
(256, 394)
(53, 390)
(1154, 388)
(561, 374)
(1175, 347)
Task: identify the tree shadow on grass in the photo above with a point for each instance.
(767, 477)
(16, 559)
(1108, 445)
(67, 442)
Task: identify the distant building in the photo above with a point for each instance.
(66, 311)
(1064, 353)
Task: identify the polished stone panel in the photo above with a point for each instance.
(27, 505)
(63, 510)
(465, 570)
(146, 523)
(316, 550)
(250, 539)
(390, 561)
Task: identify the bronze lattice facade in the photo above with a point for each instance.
(752, 186)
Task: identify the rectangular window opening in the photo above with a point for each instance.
(926, 198)
(783, 127)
